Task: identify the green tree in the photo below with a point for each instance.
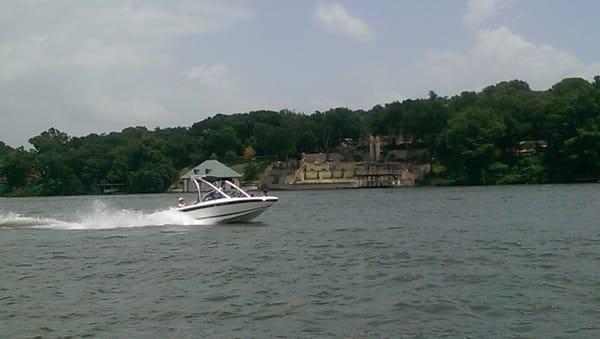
(4, 149)
(221, 140)
(274, 140)
(582, 152)
(152, 179)
(337, 124)
(50, 140)
(472, 139)
(17, 168)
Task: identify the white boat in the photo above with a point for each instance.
(225, 202)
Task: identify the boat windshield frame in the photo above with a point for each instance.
(217, 190)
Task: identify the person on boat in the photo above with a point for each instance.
(180, 202)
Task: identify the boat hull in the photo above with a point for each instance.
(228, 210)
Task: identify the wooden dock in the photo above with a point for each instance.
(371, 175)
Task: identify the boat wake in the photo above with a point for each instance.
(101, 217)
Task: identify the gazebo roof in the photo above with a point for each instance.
(212, 168)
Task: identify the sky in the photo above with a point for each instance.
(98, 66)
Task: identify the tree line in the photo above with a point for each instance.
(505, 134)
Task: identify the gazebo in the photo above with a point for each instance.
(212, 168)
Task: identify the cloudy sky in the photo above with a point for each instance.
(102, 65)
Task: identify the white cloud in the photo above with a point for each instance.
(213, 76)
(336, 18)
(503, 55)
(364, 100)
(479, 10)
(101, 35)
(125, 110)
(111, 63)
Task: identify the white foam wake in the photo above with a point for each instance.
(12, 219)
(100, 217)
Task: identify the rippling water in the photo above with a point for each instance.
(425, 262)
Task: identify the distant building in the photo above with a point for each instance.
(112, 188)
(374, 148)
(405, 155)
(530, 147)
(209, 168)
(391, 174)
(321, 158)
(321, 166)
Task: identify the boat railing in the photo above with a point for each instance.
(238, 189)
(212, 195)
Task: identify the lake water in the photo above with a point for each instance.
(505, 261)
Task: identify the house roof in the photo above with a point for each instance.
(212, 168)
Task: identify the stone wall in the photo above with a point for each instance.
(316, 172)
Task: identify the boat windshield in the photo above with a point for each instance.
(212, 195)
(234, 194)
(224, 189)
